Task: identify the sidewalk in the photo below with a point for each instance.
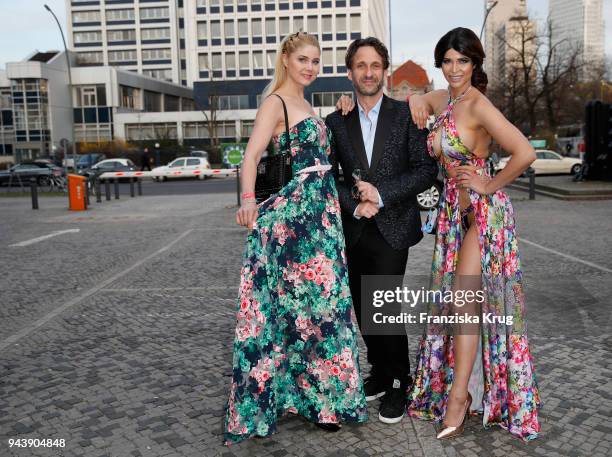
(118, 338)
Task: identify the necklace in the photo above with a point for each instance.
(452, 101)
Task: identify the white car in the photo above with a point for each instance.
(183, 167)
(549, 162)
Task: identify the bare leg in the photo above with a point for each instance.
(466, 335)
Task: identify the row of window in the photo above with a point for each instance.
(229, 6)
(282, 26)
(258, 60)
(114, 36)
(126, 55)
(128, 14)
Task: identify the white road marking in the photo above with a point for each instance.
(567, 256)
(13, 339)
(42, 238)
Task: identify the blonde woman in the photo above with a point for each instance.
(295, 346)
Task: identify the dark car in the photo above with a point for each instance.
(20, 174)
(109, 165)
(87, 161)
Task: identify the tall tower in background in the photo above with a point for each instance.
(579, 24)
(496, 23)
(145, 36)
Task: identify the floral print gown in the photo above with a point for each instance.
(503, 383)
(295, 347)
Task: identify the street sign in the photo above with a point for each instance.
(233, 154)
(539, 144)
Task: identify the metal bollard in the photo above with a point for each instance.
(238, 186)
(34, 193)
(132, 193)
(531, 174)
(116, 183)
(97, 190)
(87, 191)
(107, 189)
(139, 187)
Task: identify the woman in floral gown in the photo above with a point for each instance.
(295, 347)
(489, 370)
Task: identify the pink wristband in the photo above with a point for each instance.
(248, 195)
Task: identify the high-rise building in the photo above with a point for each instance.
(232, 44)
(145, 36)
(579, 24)
(499, 16)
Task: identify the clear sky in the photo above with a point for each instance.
(416, 26)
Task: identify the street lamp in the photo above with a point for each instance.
(70, 89)
(490, 6)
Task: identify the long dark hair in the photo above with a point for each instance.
(467, 43)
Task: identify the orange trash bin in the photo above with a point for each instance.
(76, 192)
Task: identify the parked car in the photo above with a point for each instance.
(88, 160)
(549, 162)
(431, 197)
(109, 165)
(178, 167)
(21, 173)
(47, 163)
(199, 153)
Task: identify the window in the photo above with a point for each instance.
(246, 128)
(298, 23)
(256, 27)
(230, 61)
(215, 29)
(217, 62)
(340, 57)
(203, 63)
(119, 15)
(165, 74)
(283, 26)
(85, 58)
(201, 3)
(121, 56)
(121, 35)
(161, 130)
(321, 99)
(326, 24)
(152, 101)
(230, 102)
(270, 59)
(129, 97)
(340, 23)
(313, 25)
(91, 95)
(229, 29)
(243, 28)
(270, 26)
(155, 34)
(154, 13)
(225, 129)
(85, 16)
(172, 103)
(355, 23)
(87, 37)
(243, 60)
(257, 60)
(202, 30)
(156, 54)
(327, 59)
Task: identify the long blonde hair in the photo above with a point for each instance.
(288, 46)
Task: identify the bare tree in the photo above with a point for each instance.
(533, 92)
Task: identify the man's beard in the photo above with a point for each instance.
(362, 90)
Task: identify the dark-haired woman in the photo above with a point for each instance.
(484, 365)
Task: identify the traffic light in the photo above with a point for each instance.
(598, 140)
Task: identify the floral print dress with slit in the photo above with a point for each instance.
(295, 347)
(503, 383)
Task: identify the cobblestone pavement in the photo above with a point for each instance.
(117, 338)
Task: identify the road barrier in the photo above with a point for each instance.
(153, 175)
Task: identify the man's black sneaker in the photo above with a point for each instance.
(373, 388)
(393, 404)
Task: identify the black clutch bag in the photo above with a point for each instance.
(274, 171)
